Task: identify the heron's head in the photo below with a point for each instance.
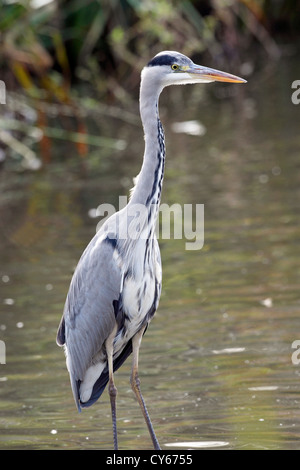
(173, 68)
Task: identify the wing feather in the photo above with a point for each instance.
(89, 314)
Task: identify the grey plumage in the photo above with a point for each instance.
(116, 286)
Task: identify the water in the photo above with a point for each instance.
(216, 363)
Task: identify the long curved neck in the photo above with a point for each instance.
(149, 184)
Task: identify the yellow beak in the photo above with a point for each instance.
(212, 75)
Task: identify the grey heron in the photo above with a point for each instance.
(116, 286)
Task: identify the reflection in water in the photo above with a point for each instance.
(197, 445)
(215, 364)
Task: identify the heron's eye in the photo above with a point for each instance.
(174, 67)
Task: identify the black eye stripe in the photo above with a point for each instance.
(161, 60)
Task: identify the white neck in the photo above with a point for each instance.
(152, 170)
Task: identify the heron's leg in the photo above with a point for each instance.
(112, 390)
(135, 384)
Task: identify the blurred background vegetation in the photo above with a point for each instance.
(64, 57)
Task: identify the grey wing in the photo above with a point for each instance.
(89, 314)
